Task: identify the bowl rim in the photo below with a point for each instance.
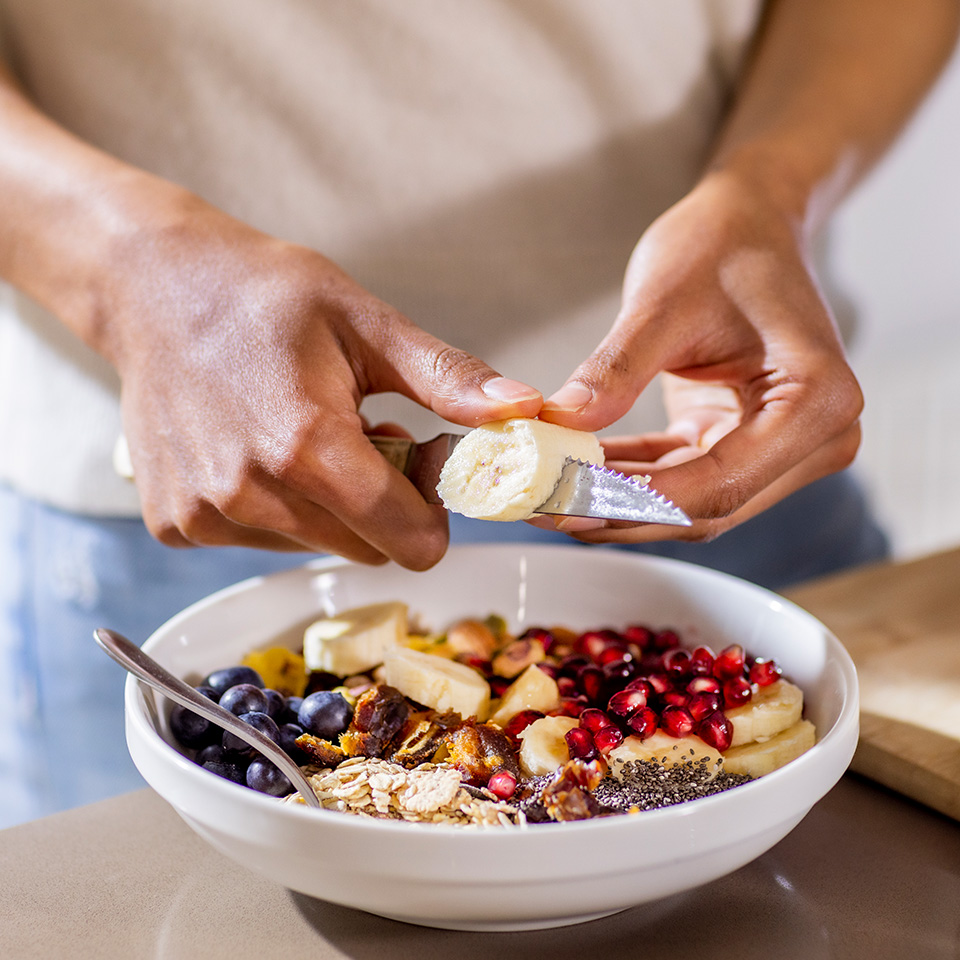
(842, 731)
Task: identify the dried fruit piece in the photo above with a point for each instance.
(479, 750)
(569, 795)
(378, 717)
(319, 751)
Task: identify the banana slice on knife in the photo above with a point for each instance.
(505, 470)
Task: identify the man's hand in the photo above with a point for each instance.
(243, 362)
(759, 396)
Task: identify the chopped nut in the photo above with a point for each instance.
(517, 655)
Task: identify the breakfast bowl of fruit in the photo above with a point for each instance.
(521, 737)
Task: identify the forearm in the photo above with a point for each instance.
(828, 87)
(66, 207)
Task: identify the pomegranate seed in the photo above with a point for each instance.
(641, 636)
(567, 686)
(626, 701)
(594, 642)
(595, 720)
(703, 685)
(676, 698)
(716, 731)
(498, 685)
(677, 721)
(702, 704)
(607, 739)
(590, 681)
(613, 654)
(520, 721)
(729, 662)
(581, 744)
(550, 669)
(701, 662)
(619, 672)
(478, 663)
(571, 663)
(764, 672)
(539, 633)
(676, 664)
(640, 684)
(737, 692)
(642, 723)
(569, 707)
(659, 682)
(502, 784)
(666, 640)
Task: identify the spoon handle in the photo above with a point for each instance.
(143, 666)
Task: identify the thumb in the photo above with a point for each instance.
(453, 383)
(605, 386)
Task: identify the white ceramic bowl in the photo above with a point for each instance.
(502, 878)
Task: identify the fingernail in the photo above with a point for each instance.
(508, 391)
(579, 524)
(571, 397)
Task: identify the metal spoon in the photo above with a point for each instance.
(132, 658)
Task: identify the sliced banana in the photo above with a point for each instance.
(542, 745)
(662, 748)
(772, 709)
(437, 682)
(505, 470)
(761, 757)
(532, 690)
(356, 640)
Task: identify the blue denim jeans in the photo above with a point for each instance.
(63, 575)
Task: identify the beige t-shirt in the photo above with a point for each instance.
(486, 166)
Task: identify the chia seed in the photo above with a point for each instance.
(641, 785)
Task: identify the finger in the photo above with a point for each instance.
(337, 467)
(606, 385)
(827, 459)
(256, 517)
(453, 383)
(647, 447)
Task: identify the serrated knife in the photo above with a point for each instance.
(584, 489)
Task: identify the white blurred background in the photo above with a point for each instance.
(896, 252)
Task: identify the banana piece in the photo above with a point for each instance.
(532, 690)
(662, 748)
(505, 470)
(760, 757)
(542, 745)
(437, 682)
(279, 668)
(356, 640)
(772, 709)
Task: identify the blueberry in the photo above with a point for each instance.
(264, 723)
(290, 711)
(288, 740)
(275, 703)
(190, 729)
(325, 714)
(244, 698)
(229, 771)
(208, 692)
(211, 753)
(222, 680)
(266, 777)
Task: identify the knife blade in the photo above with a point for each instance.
(584, 489)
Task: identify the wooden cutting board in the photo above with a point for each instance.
(901, 624)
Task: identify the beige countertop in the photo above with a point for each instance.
(868, 874)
